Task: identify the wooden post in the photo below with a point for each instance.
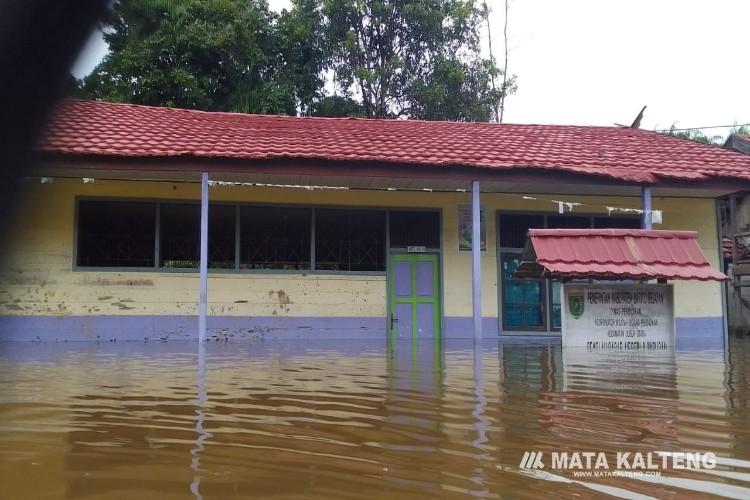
(203, 299)
(476, 262)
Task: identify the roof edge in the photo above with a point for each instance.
(614, 233)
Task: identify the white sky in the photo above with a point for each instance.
(597, 62)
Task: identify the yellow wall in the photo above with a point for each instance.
(36, 276)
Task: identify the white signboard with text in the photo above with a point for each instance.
(617, 316)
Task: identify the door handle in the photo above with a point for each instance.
(393, 320)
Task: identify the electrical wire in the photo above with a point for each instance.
(736, 125)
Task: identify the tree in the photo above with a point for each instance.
(698, 135)
(414, 59)
(337, 107)
(302, 50)
(693, 135)
(508, 85)
(388, 58)
(226, 55)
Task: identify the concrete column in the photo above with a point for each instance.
(646, 207)
(203, 300)
(476, 259)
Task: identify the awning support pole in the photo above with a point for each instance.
(476, 256)
(646, 206)
(203, 300)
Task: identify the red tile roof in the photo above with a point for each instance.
(87, 128)
(616, 254)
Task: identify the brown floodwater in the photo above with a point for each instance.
(359, 419)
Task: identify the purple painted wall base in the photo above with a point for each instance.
(699, 334)
(692, 333)
(162, 328)
(462, 327)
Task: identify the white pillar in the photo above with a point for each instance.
(476, 259)
(646, 207)
(203, 300)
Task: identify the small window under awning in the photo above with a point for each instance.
(615, 254)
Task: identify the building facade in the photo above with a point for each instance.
(105, 242)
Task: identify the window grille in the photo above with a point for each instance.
(350, 240)
(275, 238)
(179, 245)
(116, 234)
(412, 228)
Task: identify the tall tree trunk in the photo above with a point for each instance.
(495, 105)
(505, 67)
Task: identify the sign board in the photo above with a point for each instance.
(618, 316)
(416, 249)
(465, 228)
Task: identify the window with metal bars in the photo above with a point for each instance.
(179, 236)
(115, 234)
(124, 234)
(166, 235)
(275, 238)
(222, 232)
(411, 228)
(349, 240)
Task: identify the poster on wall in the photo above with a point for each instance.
(618, 316)
(464, 228)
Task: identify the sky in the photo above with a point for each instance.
(598, 62)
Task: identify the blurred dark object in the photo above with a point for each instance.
(738, 143)
(39, 42)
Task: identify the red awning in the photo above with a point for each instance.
(616, 254)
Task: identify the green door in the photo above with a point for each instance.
(414, 296)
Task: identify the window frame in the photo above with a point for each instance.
(545, 302)
(238, 238)
(383, 215)
(238, 205)
(76, 225)
(159, 235)
(427, 249)
(546, 282)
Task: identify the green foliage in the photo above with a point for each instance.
(693, 135)
(337, 107)
(226, 55)
(387, 58)
(456, 92)
(415, 59)
(302, 50)
(699, 136)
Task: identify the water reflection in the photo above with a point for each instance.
(346, 419)
(200, 417)
(481, 423)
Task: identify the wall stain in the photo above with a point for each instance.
(283, 299)
(122, 305)
(116, 282)
(281, 295)
(31, 281)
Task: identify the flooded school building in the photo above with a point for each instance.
(339, 228)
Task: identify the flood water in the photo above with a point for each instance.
(359, 419)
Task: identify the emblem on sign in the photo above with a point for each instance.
(576, 305)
